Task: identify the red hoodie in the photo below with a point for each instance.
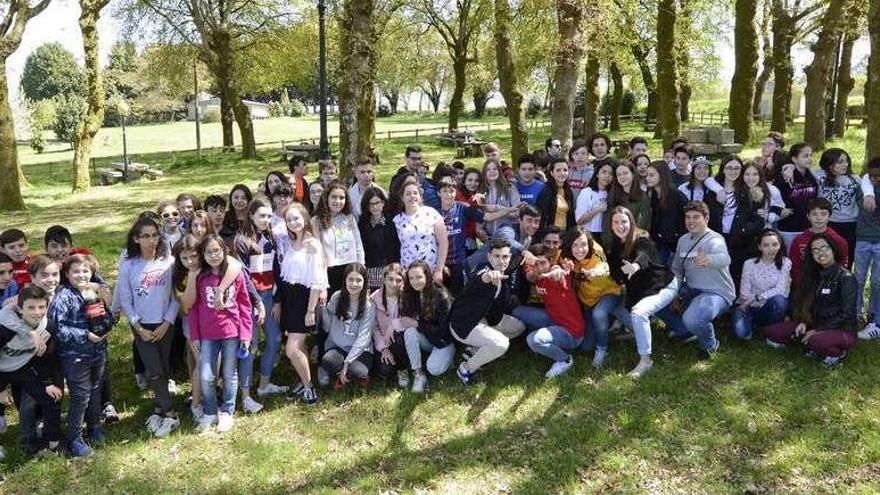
(561, 303)
(799, 250)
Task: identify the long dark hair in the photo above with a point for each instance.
(345, 297)
(830, 157)
(276, 173)
(224, 265)
(780, 255)
(618, 195)
(132, 248)
(573, 234)
(248, 234)
(762, 183)
(322, 211)
(664, 186)
(594, 180)
(189, 242)
(230, 221)
(369, 194)
(805, 290)
(422, 306)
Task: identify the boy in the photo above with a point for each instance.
(681, 168)
(13, 242)
(327, 172)
(637, 146)
(868, 253)
(8, 287)
(527, 184)
(187, 204)
(567, 329)
(363, 172)
(215, 206)
(459, 172)
(477, 318)
(818, 214)
(299, 167)
(58, 242)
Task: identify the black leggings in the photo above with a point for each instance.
(334, 358)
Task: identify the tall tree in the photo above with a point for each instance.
(50, 70)
(14, 16)
(742, 85)
(616, 95)
(767, 56)
(457, 22)
(647, 81)
(591, 94)
(683, 33)
(845, 82)
(872, 88)
(668, 100)
(569, 52)
(789, 24)
(90, 12)
(819, 73)
(509, 80)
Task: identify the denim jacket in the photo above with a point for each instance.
(69, 325)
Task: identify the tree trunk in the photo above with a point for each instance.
(569, 52)
(767, 65)
(872, 86)
(742, 85)
(10, 169)
(683, 58)
(221, 44)
(227, 118)
(668, 100)
(456, 103)
(94, 116)
(591, 96)
(845, 84)
(783, 73)
(819, 74)
(393, 97)
(616, 96)
(481, 98)
(648, 81)
(508, 81)
(434, 94)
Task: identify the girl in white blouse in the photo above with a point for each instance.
(336, 228)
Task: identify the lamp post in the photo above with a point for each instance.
(322, 80)
(122, 108)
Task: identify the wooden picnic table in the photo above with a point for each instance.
(312, 152)
(471, 149)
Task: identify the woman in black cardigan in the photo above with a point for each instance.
(556, 200)
(650, 285)
(378, 235)
(667, 207)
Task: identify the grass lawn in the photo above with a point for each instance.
(752, 420)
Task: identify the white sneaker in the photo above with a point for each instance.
(168, 425)
(249, 405)
(559, 368)
(644, 365)
(870, 332)
(419, 383)
(198, 412)
(141, 381)
(206, 422)
(271, 389)
(403, 378)
(225, 422)
(775, 345)
(153, 423)
(599, 358)
(110, 415)
(172, 387)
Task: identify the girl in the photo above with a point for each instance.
(838, 185)
(641, 162)
(797, 186)
(593, 201)
(274, 179)
(824, 303)
(186, 261)
(239, 199)
(316, 190)
(388, 333)
(348, 320)
(394, 204)
(765, 196)
(556, 200)
(763, 293)
(428, 303)
(734, 214)
(81, 337)
(146, 297)
(580, 172)
(667, 204)
(772, 157)
(695, 189)
(422, 233)
(626, 192)
(255, 247)
(336, 228)
(171, 231)
(302, 278)
(220, 324)
(281, 198)
(650, 285)
(597, 292)
(200, 225)
(469, 193)
(500, 195)
(379, 236)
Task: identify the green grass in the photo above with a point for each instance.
(753, 419)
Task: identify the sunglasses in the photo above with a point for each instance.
(174, 214)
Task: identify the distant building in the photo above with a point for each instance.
(258, 110)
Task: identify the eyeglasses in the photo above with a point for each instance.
(820, 249)
(377, 203)
(174, 214)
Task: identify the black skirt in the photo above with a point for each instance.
(293, 310)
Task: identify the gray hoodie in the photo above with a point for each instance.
(352, 336)
(715, 277)
(20, 350)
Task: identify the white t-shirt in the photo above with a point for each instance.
(586, 201)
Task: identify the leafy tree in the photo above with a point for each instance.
(872, 87)
(50, 70)
(69, 112)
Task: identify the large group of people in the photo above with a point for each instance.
(356, 282)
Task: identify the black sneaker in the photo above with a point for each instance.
(309, 395)
(295, 392)
(704, 355)
(683, 339)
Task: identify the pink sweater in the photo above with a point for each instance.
(233, 321)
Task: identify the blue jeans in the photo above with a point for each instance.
(772, 312)
(598, 321)
(868, 254)
(272, 337)
(83, 377)
(642, 311)
(533, 317)
(552, 342)
(210, 349)
(701, 308)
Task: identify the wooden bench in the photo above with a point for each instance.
(470, 149)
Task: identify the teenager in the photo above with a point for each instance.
(641, 163)
(499, 195)
(667, 222)
(388, 339)
(556, 201)
(363, 173)
(580, 171)
(824, 306)
(327, 172)
(763, 293)
(681, 171)
(650, 285)
(638, 146)
(8, 287)
(147, 300)
(239, 198)
(427, 302)
(456, 215)
(527, 182)
(378, 235)
(772, 156)
(422, 233)
(215, 207)
(626, 192)
(694, 189)
(316, 190)
(336, 228)
(302, 278)
(766, 196)
(867, 254)
(797, 186)
(843, 190)
(818, 214)
(187, 204)
(299, 168)
(273, 181)
(348, 320)
(470, 193)
(221, 324)
(592, 203)
(186, 262)
(600, 149)
(14, 243)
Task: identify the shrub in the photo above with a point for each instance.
(211, 115)
(383, 111)
(41, 115)
(276, 109)
(534, 107)
(297, 108)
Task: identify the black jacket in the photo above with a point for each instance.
(745, 227)
(478, 300)
(651, 277)
(667, 224)
(381, 243)
(834, 302)
(547, 204)
(436, 330)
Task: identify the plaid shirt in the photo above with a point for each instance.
(69, 325)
